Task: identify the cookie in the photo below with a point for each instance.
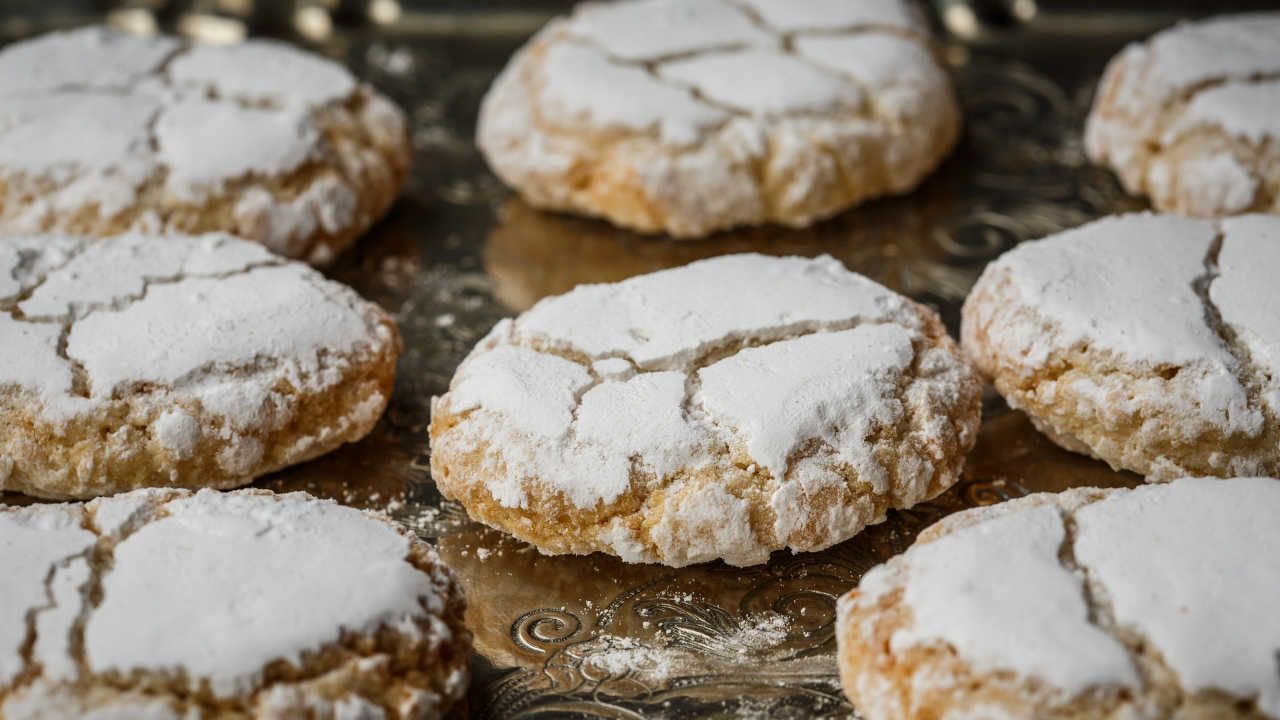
(103, 133)
(1191, 117)
(691, 117)
(193, 361)
(1155, 602)
(724, 409)
(167, 604)
(1148, 341)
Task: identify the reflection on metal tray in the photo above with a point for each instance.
(591, 636)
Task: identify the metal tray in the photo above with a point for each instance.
(595, 637)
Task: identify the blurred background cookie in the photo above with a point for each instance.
(1149, 341)
(103, 132)
(725, 409)
(1191, 117)
(193, 361)
(162, 604)
(691, 117)
(1151, 602)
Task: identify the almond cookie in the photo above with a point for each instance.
(690, 117)
(1191, 117)
(1149, 341)
(724, 409)
(1152, 603)
(103, 132)
(163, 604)
(193, 361)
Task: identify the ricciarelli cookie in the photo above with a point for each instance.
(1156, 602)
(688, 117)
(195, 361)
(1191, 117)
(162, 604)
(1149, 341)
(102, 132)
(725, 409)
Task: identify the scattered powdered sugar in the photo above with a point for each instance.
(666, 656)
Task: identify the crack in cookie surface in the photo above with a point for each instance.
(618, 418)
(399, 650)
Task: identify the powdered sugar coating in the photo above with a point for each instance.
(34, 543)
(1244, 296)
(659, 391)
(262, 71)
(1181, 566)
(1111, 337)
(176, 128)
(195, 339)
(350, 567)
(837, 387)
(1098, 603)
(199, 591)
(1144, 264)
(1025, 614)
(205, 144)
(780, 83)
(653, 29)
(1196, 91)
(666, 319)
(647, 104)
(89, 58)
(606, 111)
(790, 16)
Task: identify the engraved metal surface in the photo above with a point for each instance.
(594, 637)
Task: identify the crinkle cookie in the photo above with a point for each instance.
(1144, 604)
(167, 605)
(1149, 341)
(691, 116)
(193, 361)
(1191, 117)
(102, 132)
(724, 409)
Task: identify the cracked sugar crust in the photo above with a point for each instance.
(1148, 341)
(258, 139)
(722, 410)
(1191, 117)
(635, 112)
(1147, 603)
(165, 604)
(192, 361)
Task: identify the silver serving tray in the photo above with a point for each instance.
(586, 637)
